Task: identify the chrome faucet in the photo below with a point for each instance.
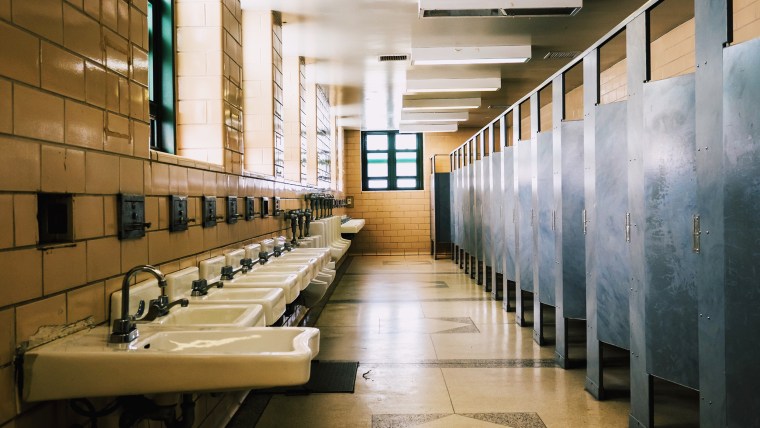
(124, 328)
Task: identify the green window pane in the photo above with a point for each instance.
(406, 164)
(406, 183)
(377, 165)
(377, 142)
(151, 83)
(406, 142)
(378, 184)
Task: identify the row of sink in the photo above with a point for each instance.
(204, 328)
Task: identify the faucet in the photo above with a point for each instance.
(293, 215)
(124, 328)
(160, 307)
(228, 272)
(307, 216)
(301, 216)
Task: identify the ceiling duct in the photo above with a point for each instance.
(498, 8)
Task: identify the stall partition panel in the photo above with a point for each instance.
(477, 211)
(525, 216)
(570, 197)
(670, 192)
(497, 213)
(509, 217)
(612, 265)
(485, 211)
(741, 157)
(546, 220)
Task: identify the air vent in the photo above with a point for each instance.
(397, 57)
(512, 13)
(562, 55)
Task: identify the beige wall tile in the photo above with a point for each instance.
(92, 8)
(151, 212)
(163, 213)
(84, 125)
(123, 18)
(109, 16)
(19, 55)
(95, 84)
(178, 180)
(25, 219)
(82, 34)
(112, 92)
(5, 9)
(64, 268)
(195, 182)
(100, 173)
(131, 176)
(6, 221)
(137, 23)
(7, 394)
(137, 100)
(109, 217)
(43, 17)
(37, 114)
(62, 170)
(88, 217)
(103, 258)
(7, 335)
(62, 72)
(133, 252)
(85, 302)
(159, 247)
(19, 165)
(160, 176)
(117, 52)
(6, 106)
(141, 139)
(29, 318)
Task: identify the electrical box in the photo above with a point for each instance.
(249, 208)
(209, 211)
(131, 216)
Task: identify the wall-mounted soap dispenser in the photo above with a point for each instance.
(276, 206)
(232, 210)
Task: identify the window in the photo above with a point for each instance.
(161, 74)
(391, 161)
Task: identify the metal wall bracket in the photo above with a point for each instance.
(232, 210)
(696, 235)
(209, 211)
(178, 213)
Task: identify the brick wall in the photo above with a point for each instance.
(746, 20)
(396, 222)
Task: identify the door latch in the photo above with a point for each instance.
(696, 235)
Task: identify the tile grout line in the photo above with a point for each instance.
(451, 401)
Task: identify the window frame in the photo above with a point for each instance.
(392, 177)
(162, 91)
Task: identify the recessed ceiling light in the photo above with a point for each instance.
(471, 55)
(411, 117)
(453, 85)
(440, 104)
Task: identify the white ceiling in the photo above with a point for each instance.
(342, 39)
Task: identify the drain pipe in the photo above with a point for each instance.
(139, 408)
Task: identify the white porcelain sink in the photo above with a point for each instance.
(214, 316)
(160, 361)
(271, 297)
(290, 284)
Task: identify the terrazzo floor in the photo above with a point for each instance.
(435, 351)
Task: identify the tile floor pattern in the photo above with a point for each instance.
(434, 351)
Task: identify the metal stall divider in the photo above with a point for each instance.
(459, 159)
(543, 232)
(509, 218)
(440, 208)
(524, 225)
(485, 210)
(496, 216)
(570, 253)
(477, 212)
(469, 210)
(453, 204)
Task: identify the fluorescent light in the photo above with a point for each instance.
(471, 55)
(454, 85)
(407, 117)
(428, 127)
(441, 104)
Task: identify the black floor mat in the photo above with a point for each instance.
(326, 376)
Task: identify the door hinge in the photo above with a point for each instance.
(627, 227)
(696, 235)
(554, 220)
(531, 218)
(585, 221)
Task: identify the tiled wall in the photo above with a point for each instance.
(258, 92)
(396, 222)
(746, 20)
(674, 53)
(74, 119)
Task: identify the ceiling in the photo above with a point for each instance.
(342, 40)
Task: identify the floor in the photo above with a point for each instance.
(435, 351)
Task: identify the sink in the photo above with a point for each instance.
(304, 271)
(160, 361)
(216, 316)
(290, 284)
(272, 297)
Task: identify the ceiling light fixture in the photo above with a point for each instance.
(471, 55)
(440, 104)
(487, 84)
(428, 127)
(498, 8)
(412, 117)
